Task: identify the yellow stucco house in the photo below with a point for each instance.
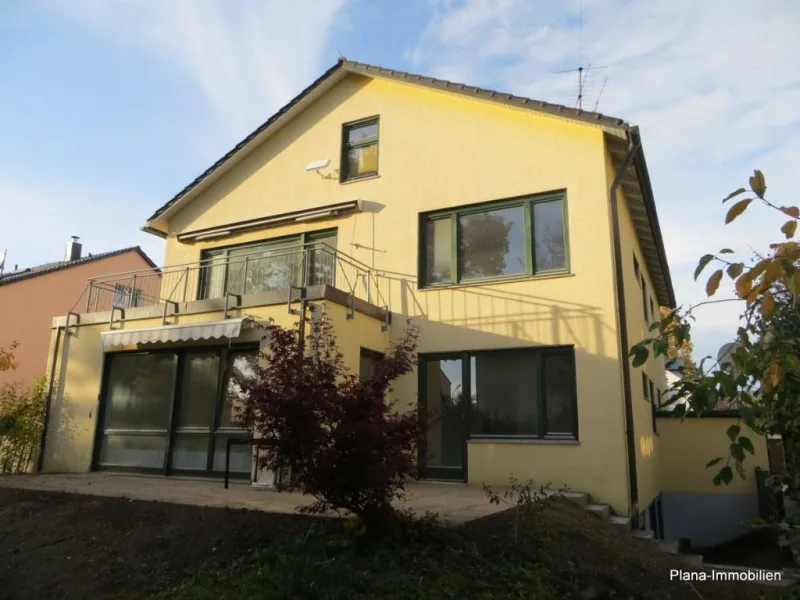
(522, 237)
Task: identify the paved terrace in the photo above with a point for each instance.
(451, 501)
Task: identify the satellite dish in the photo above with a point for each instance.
(725, 354)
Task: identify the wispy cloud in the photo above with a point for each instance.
(246, 58)
(242, 60)
(719, 66)
(707, 82)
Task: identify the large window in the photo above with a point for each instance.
(360, 150)
(167, 412)
(527, 393)
(136, 420)
(269, 266)
(513, 238)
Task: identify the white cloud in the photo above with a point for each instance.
(709, 83)
(247, 58)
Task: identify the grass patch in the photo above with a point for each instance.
(563, 553)
(68, 546)
(423, 560)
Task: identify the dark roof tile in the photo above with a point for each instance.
(51, 267)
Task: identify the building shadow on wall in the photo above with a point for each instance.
(482, 314)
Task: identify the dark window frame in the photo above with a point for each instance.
(540, 352)
(527, 201)
(652, 402)
(224, 352)
(656, 408)
(644, 299)
(304, 239)
(370, 354)
(636, 270)
(344, 176)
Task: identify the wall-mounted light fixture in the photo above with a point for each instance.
(318, 164)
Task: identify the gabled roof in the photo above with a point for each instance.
(343, 67)
(637, 186)
(51, 267)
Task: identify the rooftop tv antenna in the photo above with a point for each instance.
(602, 87)
(583, 72)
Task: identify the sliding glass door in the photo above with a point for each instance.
(174, 411)
(240, 366)
(197, 403)
(137, 410)
(269, 265)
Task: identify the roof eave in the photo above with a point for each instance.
(650, 207)
(152, 230)
(238, 152)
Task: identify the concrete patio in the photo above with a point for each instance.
(451, 501)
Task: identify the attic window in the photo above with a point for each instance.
(360, 150)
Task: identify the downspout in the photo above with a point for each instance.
(622, 320)
(46, 416)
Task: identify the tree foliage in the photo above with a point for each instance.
(682, 351)
(21, 421)
(7, 362)
(763, 377)
(484, 243)
(341, 440)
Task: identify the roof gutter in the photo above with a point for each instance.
(634, 148)
(152, 231)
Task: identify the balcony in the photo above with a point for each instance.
(289, 273)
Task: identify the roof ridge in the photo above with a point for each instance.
(59, 265)
(491, 92)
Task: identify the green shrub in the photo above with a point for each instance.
(21, 420)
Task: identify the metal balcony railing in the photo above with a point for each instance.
(263, 270)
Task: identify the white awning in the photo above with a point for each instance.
(228, 328)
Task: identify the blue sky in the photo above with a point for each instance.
(109, 107)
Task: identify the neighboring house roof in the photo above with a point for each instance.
(46, 268)
(645, 219)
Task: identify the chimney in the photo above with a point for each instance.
(73, 249)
